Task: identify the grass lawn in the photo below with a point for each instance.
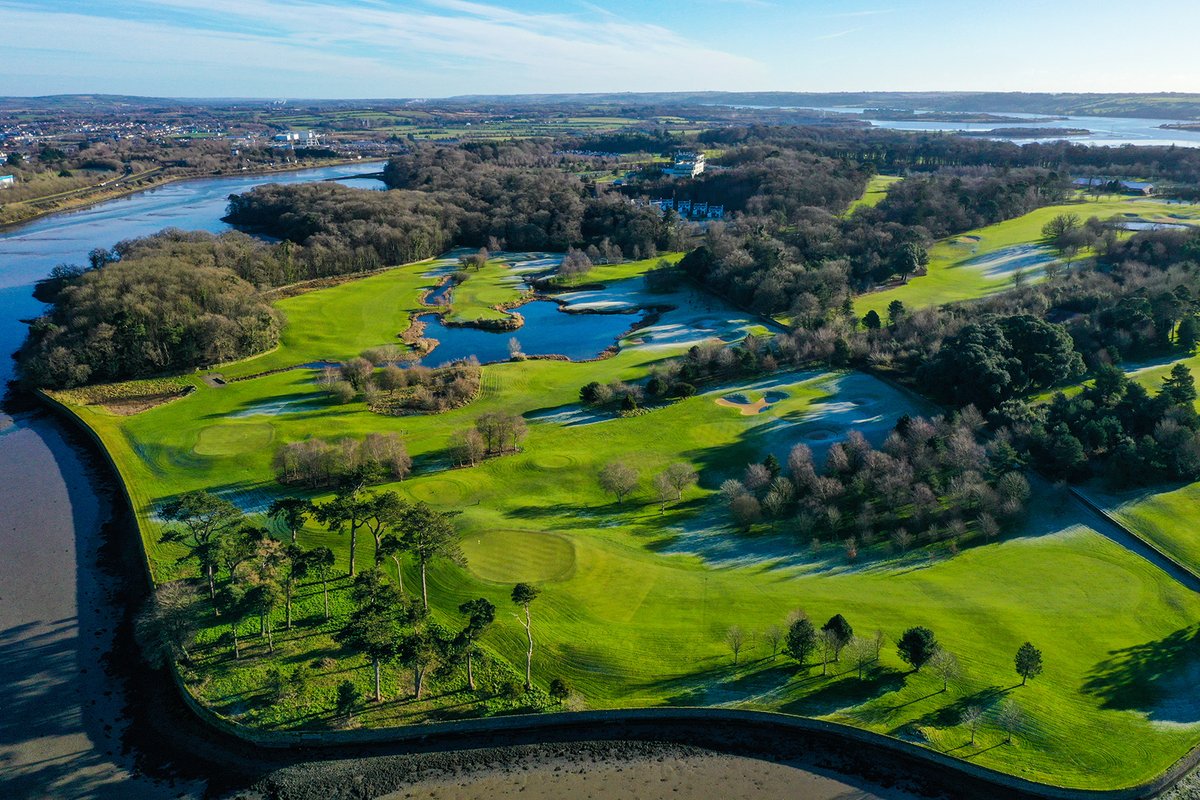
(984, 261)
(635, 603)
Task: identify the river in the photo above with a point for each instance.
(70, 724)
(1102, 131)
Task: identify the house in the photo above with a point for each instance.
(1137, 187)
(686, 165)
(7, 181)
(1114, 185)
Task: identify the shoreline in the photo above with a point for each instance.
(104, 197)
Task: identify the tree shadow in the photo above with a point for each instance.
(846, 689)
(949, 715)
(1157, 678)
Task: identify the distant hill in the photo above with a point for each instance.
(1165, 106)
(1170, 106)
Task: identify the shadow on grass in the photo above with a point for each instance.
(844, 690)
(949, 715)
(1157, 678)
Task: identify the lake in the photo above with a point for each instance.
(546, 332)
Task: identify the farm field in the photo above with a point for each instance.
(984, 261)
(637, 599)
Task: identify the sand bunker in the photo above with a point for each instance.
(746, 406)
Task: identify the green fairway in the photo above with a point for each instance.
(637, 599)
(877, 189)
(986, 260)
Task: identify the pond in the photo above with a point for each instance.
(547, 331)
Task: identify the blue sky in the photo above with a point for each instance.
(436, 48)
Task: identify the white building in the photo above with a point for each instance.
(7, 181)
(686, 165)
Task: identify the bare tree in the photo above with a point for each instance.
(773, 636)
(681, 476)
(168, 623)
(1010, 718)
(735, 638)
(467, 447)
(664, 489)
(827, 644)
(861, 652)
(945, 665)
(877, 645)
(757, 477)
(618, 478)
(972, 718)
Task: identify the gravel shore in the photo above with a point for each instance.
(619, 769)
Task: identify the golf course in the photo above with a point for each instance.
(991, 259)
(641, 594)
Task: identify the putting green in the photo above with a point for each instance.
(441, 490)
(514, 556)
(552, 461)
(229, 439)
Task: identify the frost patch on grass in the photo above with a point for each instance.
(570, 416)
(1008, 260)
(279, 405)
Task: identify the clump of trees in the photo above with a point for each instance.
(933, 481)
(574, 264)
(347, 461)
(392, 389)
(1114, 428)
(500, 432)
(247, 572)
(676, 378)
(997, 358)
(620, 479)
(145, 316)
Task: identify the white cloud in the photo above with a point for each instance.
(376, 49)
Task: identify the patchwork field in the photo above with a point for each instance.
(636, 599)
(987, 260)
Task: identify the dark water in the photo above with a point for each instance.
(547, 331)
(63, 720)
